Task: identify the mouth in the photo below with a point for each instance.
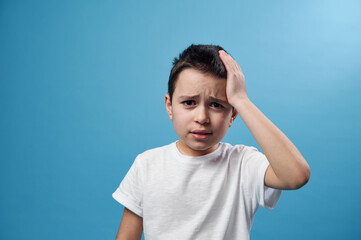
(201, 134)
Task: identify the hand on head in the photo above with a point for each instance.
(236, 85)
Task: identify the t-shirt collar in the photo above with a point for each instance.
(200, 159)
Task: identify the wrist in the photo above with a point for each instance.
(240, 102)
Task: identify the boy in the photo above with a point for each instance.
(198, 187)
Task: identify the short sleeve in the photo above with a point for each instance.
(130, 191)
(255, 165)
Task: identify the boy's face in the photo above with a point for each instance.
(200, 112)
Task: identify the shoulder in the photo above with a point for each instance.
(239, 149)
(153, 160)
(155, 153)
(242, 156)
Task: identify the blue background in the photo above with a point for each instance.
(82, 93)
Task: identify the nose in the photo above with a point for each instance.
(201, 115)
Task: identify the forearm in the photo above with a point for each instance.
(289, 170)
(286, 161)
(131, 226)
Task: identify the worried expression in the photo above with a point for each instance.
(200, 112)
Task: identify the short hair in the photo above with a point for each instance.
(203, 58)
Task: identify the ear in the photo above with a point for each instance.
(168, 106)
(233, 117)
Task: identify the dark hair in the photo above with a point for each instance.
(203, 58)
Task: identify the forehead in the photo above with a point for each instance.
(192, 82)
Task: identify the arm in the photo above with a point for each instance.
(288, 169)
(131, 226)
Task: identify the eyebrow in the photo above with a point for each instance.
(189, 97)
(211, 98)
(219, 100)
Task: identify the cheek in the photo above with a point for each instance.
(179, 114)
(223, 121)
(179, 118)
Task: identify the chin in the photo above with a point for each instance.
(201, 146)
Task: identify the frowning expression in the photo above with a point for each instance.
(200, 112)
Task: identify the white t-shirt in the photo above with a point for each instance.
(214, 196)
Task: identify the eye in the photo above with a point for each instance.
(216, 105)
(189, 103)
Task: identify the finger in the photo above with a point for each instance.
(233, 65)
(225, 59)
(228, 60)
(232, 62)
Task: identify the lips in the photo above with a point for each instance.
(201, 134)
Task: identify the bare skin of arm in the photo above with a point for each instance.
(288, 169)
(131, 226)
